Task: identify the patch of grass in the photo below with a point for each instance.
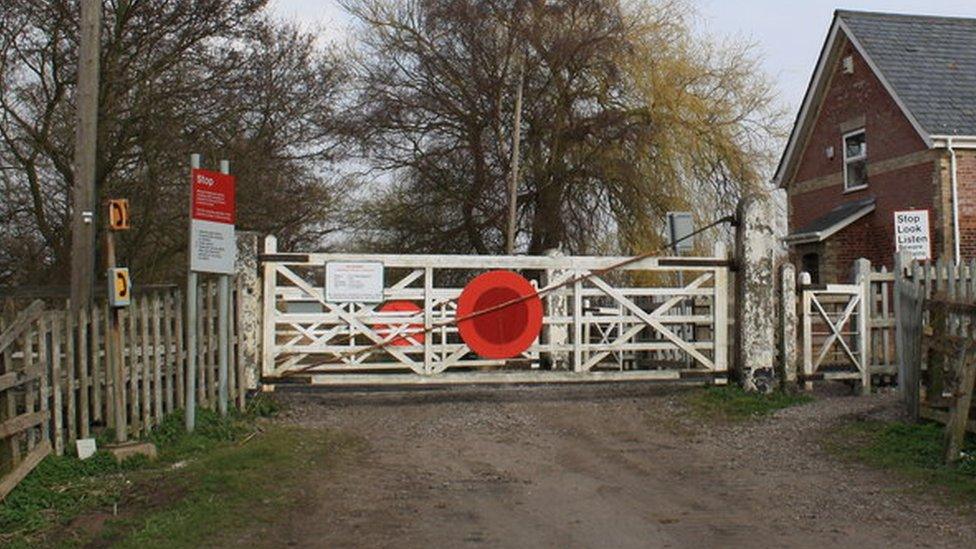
(232, 489)
(732, 403)
(212, 464)
(914, 451)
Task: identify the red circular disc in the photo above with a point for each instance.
(415, 333)
(507, 332)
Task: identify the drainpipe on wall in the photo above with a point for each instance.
(955, 203)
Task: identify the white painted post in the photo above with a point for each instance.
(268, 320)
(720, 315)
(191, 319)
(577, 322)
(862, 278)
(223, 327)
(806, 310)
(428, 319)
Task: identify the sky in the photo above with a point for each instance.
(788, 34)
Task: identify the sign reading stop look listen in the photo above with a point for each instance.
(213, 214)
(912, 234)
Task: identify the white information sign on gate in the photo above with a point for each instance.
(354, 282)
(912, 234)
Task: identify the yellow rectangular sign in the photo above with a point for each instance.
(119, 287)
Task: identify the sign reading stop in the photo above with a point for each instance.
(508, 331)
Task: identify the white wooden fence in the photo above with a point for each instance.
(635, 323)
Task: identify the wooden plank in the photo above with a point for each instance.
(168, 353)
(157, 356)
(19, 324)
(201, 347)
(43, 359)
(963, 398)
(70, 382)
(30, 393)
(239, 359)
(144, 366)
(12, 479)
(178, 310)
(107, 375)
(18, 378)
(8, 399)
(23, 422)
(97, 371)
(135, 416)
(57, 329)
(84, 419)
(212, 344)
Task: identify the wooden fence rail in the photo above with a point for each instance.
(56, 384)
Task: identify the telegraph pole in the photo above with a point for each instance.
(86, 135)
(513, 181)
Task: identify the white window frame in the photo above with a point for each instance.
(848, 160)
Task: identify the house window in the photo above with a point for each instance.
(855, 161)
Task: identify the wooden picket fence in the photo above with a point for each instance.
(937, 302)
(56, 385)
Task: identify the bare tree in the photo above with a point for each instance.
(627, 114)
(177, 76)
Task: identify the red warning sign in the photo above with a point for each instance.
(413, 333)
(508, 331)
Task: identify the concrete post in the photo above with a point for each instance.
(760, 251)
(249, 305)
(788, 325)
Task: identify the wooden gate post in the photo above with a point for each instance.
(862, 278)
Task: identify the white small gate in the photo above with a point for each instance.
(638, 322)
(835, 328)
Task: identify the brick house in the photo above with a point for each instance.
(888, 123)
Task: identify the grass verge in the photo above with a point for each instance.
(229, 474)
(913, 451)
(732, 403)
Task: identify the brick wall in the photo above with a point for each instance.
(966, 180)
(902, 173)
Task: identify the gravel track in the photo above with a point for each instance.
(599, 466)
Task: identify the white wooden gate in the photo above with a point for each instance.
(835, 330)
(635, 323)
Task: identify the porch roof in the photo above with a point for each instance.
(834, 221)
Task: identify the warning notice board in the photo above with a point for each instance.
(912, 234)
(213, 248)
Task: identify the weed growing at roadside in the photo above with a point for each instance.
(913, 450)
(62, 487)
(734, 403)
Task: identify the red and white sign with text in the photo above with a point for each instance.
(213, 248)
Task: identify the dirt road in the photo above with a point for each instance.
(598, 467)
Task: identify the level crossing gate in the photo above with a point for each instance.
(634, 323)
(835, 329)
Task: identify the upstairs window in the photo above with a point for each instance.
(855, 161)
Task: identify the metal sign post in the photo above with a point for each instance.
(212, 249)
(191, 320)
(223, 324)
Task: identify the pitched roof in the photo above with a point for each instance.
(832, 222)
(929, 61)
(926, 63)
